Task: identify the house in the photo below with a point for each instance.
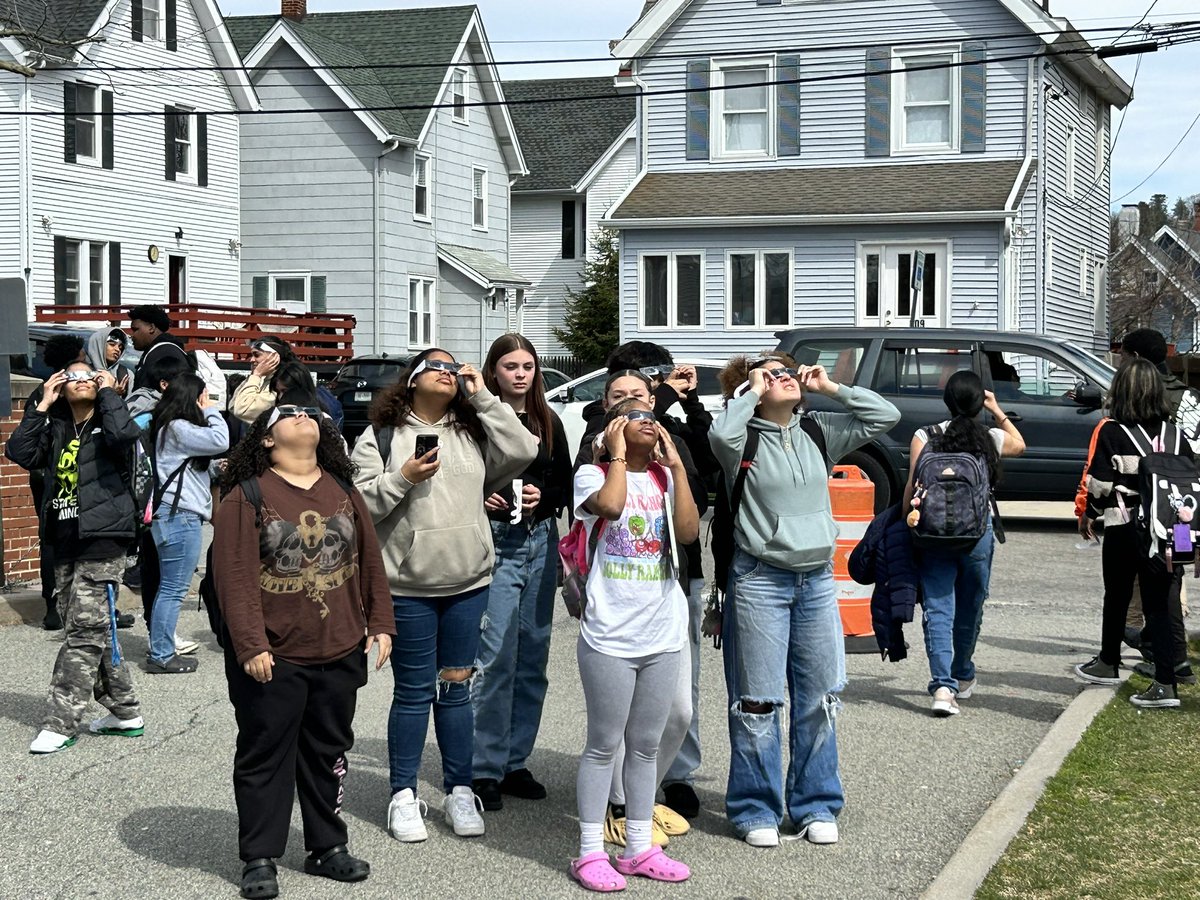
(578, 138)
(796, 155)
(119, 183)
(377, 180)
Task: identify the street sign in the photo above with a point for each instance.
(918, 283)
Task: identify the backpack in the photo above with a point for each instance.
(1167, 484)
(383, 439)
(577, 549)
(204, 365)
(143, 482)
(952, 498)
(1186, 417)
(725, 509)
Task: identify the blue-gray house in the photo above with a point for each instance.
(794, 155)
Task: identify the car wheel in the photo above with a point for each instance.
(876, 473)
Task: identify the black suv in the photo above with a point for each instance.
(1050, 388)
(356, 384)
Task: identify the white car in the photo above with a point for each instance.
(570, 399)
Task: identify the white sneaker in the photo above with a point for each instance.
(110, 724)
(944, 703)
(462, 809)
(50, 742)
(966, 689)
(406, 817)
(185, 646)
(821, 832)
(763, 837)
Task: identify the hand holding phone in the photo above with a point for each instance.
(424, 463)
(426, 444)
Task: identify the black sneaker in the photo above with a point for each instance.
(682, 798)
(1096, 672)
(53, 621)
(521, 783)
(1183, 672)
(1157, 696)
(176, 665)
(488, 792)
(1133, 637)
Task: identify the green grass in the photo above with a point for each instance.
(1121, 819)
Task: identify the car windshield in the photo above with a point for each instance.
(371, 371)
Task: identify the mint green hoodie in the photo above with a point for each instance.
(785, 519)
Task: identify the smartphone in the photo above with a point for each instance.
(425, 443)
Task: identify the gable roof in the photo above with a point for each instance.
(53, 24)
(482, 267)
(562, 139)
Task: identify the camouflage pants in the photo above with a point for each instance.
(85, 659)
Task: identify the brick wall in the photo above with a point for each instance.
(21, 559)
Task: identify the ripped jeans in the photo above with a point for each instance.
(782, 632)
(434, 636)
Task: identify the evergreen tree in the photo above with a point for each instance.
(1181, 210)
(591, 326)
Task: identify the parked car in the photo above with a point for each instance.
(356, 384)
(1051, 388)
(552, 378)
(570, 399)
(40, 333)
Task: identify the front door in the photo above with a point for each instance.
(886, 294)
(176, 279)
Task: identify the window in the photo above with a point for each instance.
(759, 288)
(1049, 262)
(182, 146)
(1084, 262)
(841, 359)
(421, 188)
(289, 292)
(1070, 161)
(479, 199)
(87, 100)
(71, 273)
(574, 229)
(1101, 140)
(926, 87)
(421, 293)
(744, 103)
(97, 265)
(458, 95)
(672, 290)
(1029, 376)
(920, 371)
(81, 272)
(152, 19)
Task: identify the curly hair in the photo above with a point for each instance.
(250, 459)
(737, 370)
(392, 406)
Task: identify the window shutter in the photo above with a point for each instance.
(879, 102)
(262, 292)
(60, 270)
(70, 105)
(974, 97)
(114, 273)
(316, 296)
(107, 125)
(202, 149)
(172, 26)
(788, 69)
(169, 141)
(697, 108)
(135, 19)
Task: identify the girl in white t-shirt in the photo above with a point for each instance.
(633, 630)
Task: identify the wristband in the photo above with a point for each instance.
(1002, 420)
(619, 459)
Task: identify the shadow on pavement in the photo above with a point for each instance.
(24, 709)
(190, 837)
(1059, 647)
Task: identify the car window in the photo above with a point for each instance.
(590, 389)
(841, 359)
(1030, 375)
(922, 371)
(708, 381)
(552, 379)
(371, 371)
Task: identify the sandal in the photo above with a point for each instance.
(338, 864)
(258, 878)
(655, 864)
(596, 873)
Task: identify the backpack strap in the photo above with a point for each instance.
(252, 491)
(161, 491)
(749, 449)
(1139, 439)
(383, 439)
(816, 434)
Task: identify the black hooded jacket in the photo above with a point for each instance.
(147, 373)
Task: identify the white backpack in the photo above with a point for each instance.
(214, 378)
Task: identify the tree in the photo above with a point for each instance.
(1182, 210)
(591, 326)
(1148, 288)
(54, 28)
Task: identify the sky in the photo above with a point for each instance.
(1167, 90)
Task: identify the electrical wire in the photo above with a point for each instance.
(1165, 160)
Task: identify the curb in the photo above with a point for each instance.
(982, 848)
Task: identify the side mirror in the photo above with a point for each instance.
(1088, 395)
(569, 394)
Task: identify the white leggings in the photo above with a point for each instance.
(629, 700)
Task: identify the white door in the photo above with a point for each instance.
(885, 276)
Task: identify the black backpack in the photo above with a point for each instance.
(1167, 483)
(952, 494)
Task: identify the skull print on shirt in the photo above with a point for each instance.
(314, 555)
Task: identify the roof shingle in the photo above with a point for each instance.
(56, 23)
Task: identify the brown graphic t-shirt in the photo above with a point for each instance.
(307, 585)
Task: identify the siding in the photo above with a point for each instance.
(11, 87)
(459, 306)
(537, 254)
(134, 203)
(609, 185)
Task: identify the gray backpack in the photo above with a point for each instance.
(953, 493)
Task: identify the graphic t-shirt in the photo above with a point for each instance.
(635, 604)
(64, 513)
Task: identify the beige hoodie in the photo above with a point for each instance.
(435, 536)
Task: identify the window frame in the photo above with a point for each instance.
(672, 290)
(430, 295)
(1084, 260)
(84, 280)
(901, 59)
(479, 224)
(189, 175)
(90, 118)
(717, 92)
(427, 160)
(459, 111)
(944, 270)
(1101, 140)
(760, 293)
(1071, 161)
(160, 15)
(272, 287)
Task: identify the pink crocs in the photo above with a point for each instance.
(595, 872)
(653, 863)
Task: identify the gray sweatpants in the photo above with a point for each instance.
(630, 699)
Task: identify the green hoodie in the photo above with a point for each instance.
(785, 519)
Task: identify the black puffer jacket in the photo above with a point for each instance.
(106, 507)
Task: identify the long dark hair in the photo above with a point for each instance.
(393, 405)
(536, 408)
(179, 403)
(293, 383)
(1137, 396)
(965, 433)
(250, 459)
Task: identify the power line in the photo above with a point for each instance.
(1165, 160)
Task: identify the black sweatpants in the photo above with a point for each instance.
(293, 736)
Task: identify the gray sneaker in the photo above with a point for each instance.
(1096, 672)
(1183, 672)
(1157, 696)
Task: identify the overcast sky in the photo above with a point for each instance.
(1167, 88)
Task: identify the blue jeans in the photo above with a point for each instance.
(782, 632)
(514, 646)
(687, 760)
(954, 586)
(178, 540)
(433, 634)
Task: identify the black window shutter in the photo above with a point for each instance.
(879, 102)
(172, 26)
(974, 97)
(202, 149)
(135, 19)
(107, 125)
(316, 297)
(788, 70)
(261, 296)
(697, 108)
(114, 273)
(70, 106)
(169, 141)
(60, 270)
(568, 229)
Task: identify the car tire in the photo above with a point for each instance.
(876, 473)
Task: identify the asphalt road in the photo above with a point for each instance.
(153, 816)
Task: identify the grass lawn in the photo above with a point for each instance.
(1121, 819)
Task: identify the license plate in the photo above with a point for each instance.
(362, 396)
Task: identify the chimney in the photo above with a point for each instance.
(295, 10)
